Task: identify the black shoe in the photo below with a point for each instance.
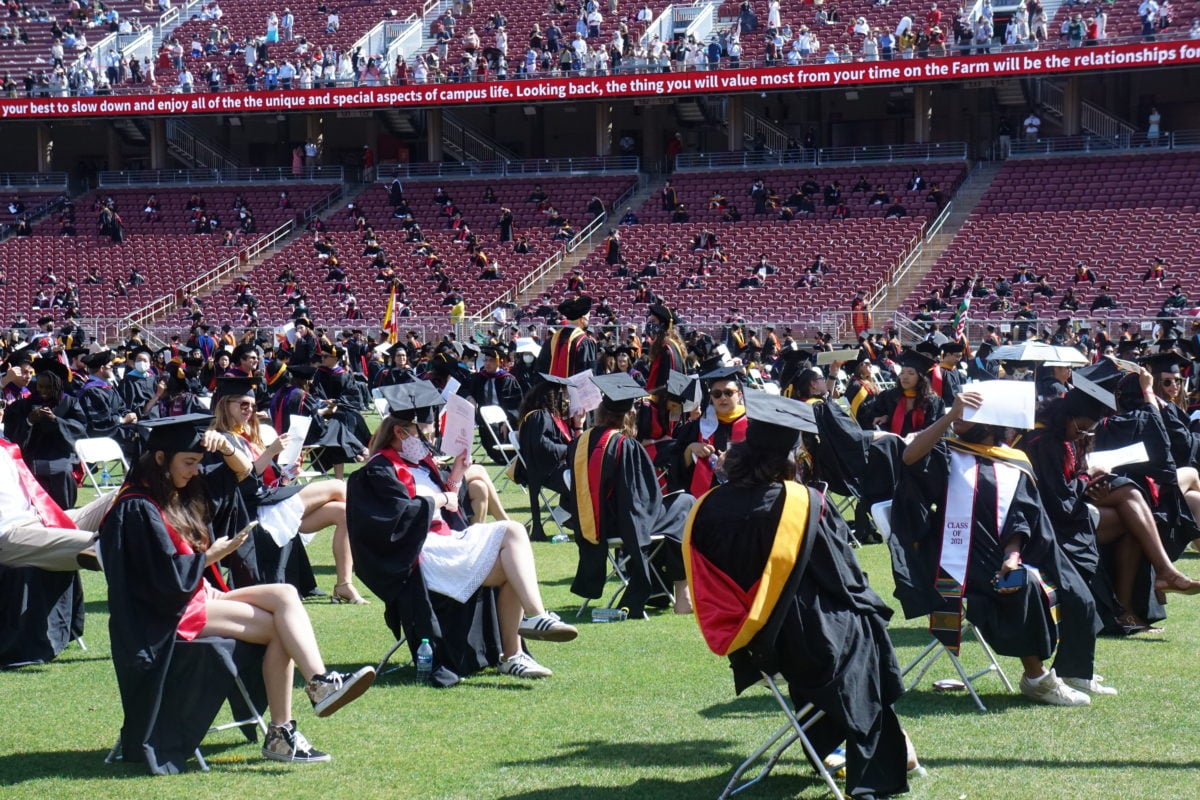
(316, 593)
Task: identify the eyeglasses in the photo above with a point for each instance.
(244, 405)
(1169, 381)
(717, 394)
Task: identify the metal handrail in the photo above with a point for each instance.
(522, 286)
(929, 151)
(147, 177)
(534, 166)
(33, 180)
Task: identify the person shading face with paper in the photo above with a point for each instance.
(971, 538)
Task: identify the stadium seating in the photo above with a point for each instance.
(861, 251)
(1114, 213)
(167, 252)
(570, 197)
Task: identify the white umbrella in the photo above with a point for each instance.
(1048, 354)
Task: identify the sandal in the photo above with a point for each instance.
(346, 593)
(1131, 623)
(1180, 584)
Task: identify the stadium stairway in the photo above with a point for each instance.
(964, 202)
(646, 188)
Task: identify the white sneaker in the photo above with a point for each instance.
(546, 627)
(522, 665)
(1052, 691)
(1089, 686)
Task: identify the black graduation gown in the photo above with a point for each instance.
(393, 376)
(687, 434)
(387, 528)
(341, 387)
(580, 358)
(1067, 508)
(49, 445)
(1185, 445)
(136, 391)
(951, 385)
(885, 406)
(335, 443)
(865, 412)
(827, 634)
(631, 509)
(1015, 624)
(103, 408)
(40, 613)
(1157, 476)
(544, 451)
(169, 702)
(259, 559)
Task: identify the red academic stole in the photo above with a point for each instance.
(405, 477)
(182, 546)
(561, 350)
(702, 471)
(586, 472)
(936, 379)
(44, 506)
(918, 416)
(730, 616)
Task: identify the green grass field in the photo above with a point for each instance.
(635, 710)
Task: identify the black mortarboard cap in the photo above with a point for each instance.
(1165, 362)
(663, 314)
(305, 321)
(412, 401)
(494, 351)
(775, 423)
(76, 352)
(97, 360)
(619, 390)
(135, 352)
(951, 347)
(575, 307)
(916, 360)
(235, 386)
(1104, 374)
(681, 388)
(52, 366)
(305, 371)
(20, 357)
(929, 349)
(180, 434)
(555, 379)
(1089, 401)
(722, 373)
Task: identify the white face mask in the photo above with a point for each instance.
(412, 449)
(141, 367)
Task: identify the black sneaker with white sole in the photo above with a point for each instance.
(331, 691)
(285, 743)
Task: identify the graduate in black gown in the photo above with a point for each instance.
(614, 494)
(493, 385)
(911, 405)
(465, 588)
(545, 431)
(966, 514)
(821, 626)
(700, 442)
(1170, 385)
(138, 387)
(944, 379)
(1103, 522)
(335, 444)
(158, 553)
(398, 371)
(46, 425)
(571, 349)
(106, 413)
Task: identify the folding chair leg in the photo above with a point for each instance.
(995, 665)
(934, 650)
(114, 754)
(794, 720)
(784, 730)
(254, 717)
(82, 643)
(389, 654)
(200, 758)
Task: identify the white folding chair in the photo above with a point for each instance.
(381, 406)
(792, 731)
(205, 401)
(495, 415)
(882, 514)
(102, 454)
(547, 498)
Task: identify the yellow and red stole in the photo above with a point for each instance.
(702, 471)
(586, 474)
(730, 616)
(562, 347)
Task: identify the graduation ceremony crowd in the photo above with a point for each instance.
(735, 474)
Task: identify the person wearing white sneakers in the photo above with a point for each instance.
(159, 557)
(400, 506)
(971, 536)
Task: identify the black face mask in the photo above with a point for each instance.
(978, 434)
(653, 329)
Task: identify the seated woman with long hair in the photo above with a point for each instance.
(283, 510)
(543, 435)
(911, 405)
(1092, 510)
(399, 510)
(157, 546)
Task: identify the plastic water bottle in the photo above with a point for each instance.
(424, 661)
(609, 615)
(560, 538)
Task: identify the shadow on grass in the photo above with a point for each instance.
(782, 785)
(17, 768)
(751, 705)
(597, 753)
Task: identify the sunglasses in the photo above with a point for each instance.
(1169, 381)
(717, 394)
(244, 405)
